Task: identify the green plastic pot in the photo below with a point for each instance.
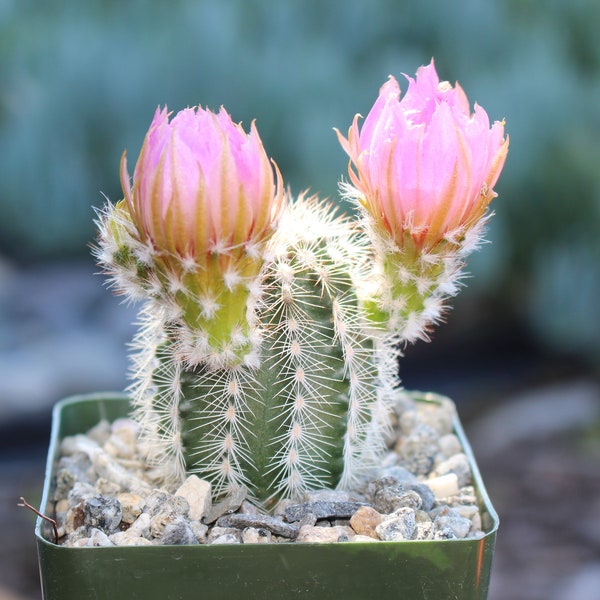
(411, 570)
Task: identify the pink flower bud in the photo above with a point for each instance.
(201, 183)
(425, 166)
(203, 205)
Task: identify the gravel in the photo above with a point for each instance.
(104, 494)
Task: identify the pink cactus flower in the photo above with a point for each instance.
(425, 166)
(201, 184)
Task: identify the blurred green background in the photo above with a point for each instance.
(79, 82)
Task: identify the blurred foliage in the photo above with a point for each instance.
(79, 82)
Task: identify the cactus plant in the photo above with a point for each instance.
(271, 327)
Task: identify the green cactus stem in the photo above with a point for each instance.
(300, 413)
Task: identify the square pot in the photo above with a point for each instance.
(445, 569)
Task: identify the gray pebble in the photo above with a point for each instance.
(200, 531)
(322, 510)
(459, 525)
(398, 526)
(399, 473)
(228, 505)
(418, 449)
(102, 512)
(387, 494)
(224, 535)
(326, 495)
(242, 521)
(449, 445)
(141, 526)
(178, 533)
(80, 491)
(155, 502)
(457, 464)
(98, 537)
(424, 531)
(308, 519)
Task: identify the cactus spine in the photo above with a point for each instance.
(297, 411)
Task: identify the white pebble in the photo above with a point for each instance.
(443, 486)
(198, 494)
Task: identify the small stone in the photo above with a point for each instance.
(62, 506)
(107, 467)
(274, 525)
(326, 495)
(224, 535)
(418, 449)
(159, 522)
(121, 444)
(466, 495)
(317, 535)
(131, 506)
(387, 494)
(443, 486)
(457, 464)
(424, 531)
(365, 520)
(398, 526)
(322, 510)
(459, 525)
(308, 519)
(364, 538)
(155, 502)
(197, 492)
(100, 432)
(227, 538)
(177, 505)
(71, 469)
(253, 535)
(408, 420)
(279, 510)
(102, 512)
(449, 445)
(248, 508)
(476, 524)
(345, 533)
(399, 473)
(444, 533)
(75, 444)
(74, 519)
(129, 538)
(228, 505)
(437, 416)
(468, 511)
(107, 488)
(427, 496)
(141, 526)
(178, 533)
(200, 531)
(99, 538)
(95, 538)
(79, 492)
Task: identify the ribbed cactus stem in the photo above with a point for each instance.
(302, 412)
